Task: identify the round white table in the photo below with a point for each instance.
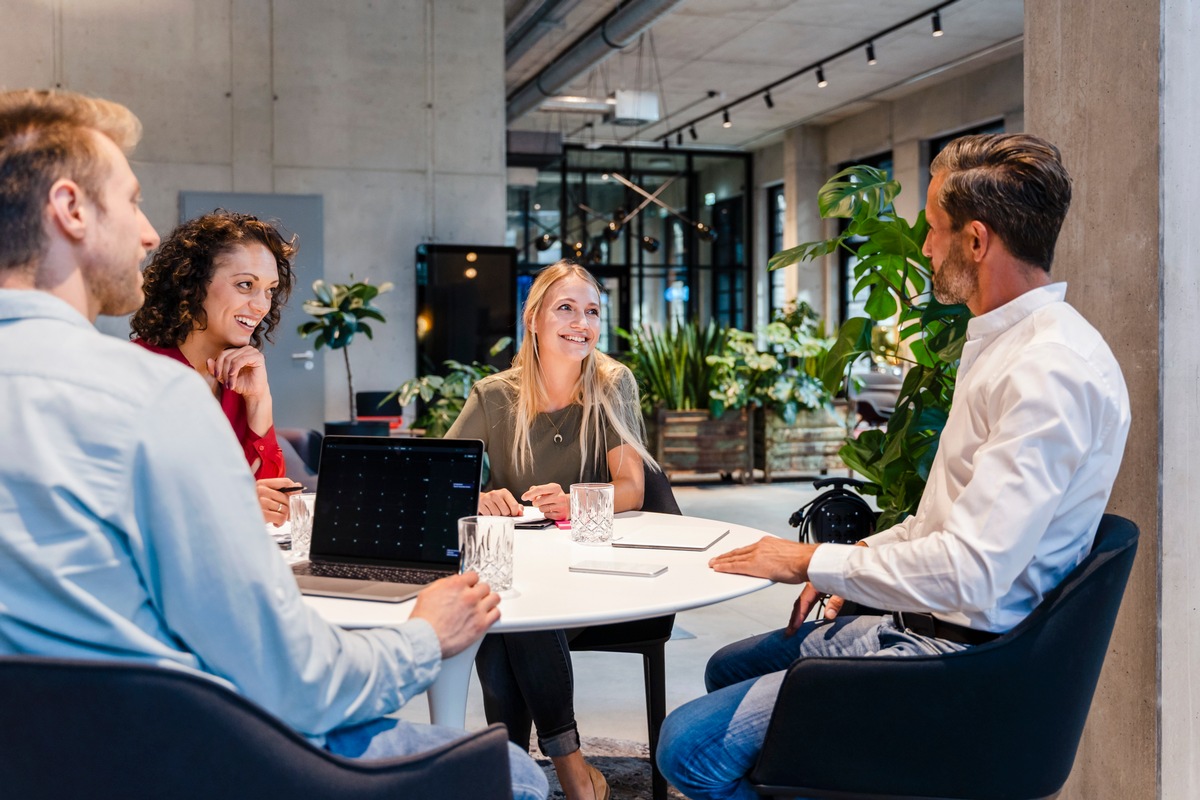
(546, 595)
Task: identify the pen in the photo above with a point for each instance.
(290, 489)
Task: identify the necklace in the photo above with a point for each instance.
(558, 438)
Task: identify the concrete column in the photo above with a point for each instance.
(803, 175)
(1110, 82)
(1179, 621)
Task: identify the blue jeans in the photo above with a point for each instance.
(708, 746)
(387, 738)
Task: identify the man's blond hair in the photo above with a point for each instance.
(46, 136)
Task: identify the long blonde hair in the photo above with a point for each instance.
(597, 390)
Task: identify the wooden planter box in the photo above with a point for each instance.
(807, 447)
(694, 442)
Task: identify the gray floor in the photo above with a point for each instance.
(609, 699)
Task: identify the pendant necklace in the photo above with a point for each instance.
(558, 438)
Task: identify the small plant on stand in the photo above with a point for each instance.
(341, 311)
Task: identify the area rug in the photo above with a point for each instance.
(625, 765)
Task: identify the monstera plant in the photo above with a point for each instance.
(340, 312)
(896, 278)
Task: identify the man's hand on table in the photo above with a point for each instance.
(770, 557)
(460, 608)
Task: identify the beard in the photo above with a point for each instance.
(955, 281)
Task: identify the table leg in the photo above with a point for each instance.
(448, 693)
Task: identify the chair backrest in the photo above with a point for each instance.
(658, 496)
(132, 731)
(306, 443)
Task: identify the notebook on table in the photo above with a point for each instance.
(673, 537)
(385, 522)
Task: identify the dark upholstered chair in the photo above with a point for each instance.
(301, 454)
(647, 637)
(1000, 721)
(119, 730)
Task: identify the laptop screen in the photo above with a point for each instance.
(394, 500)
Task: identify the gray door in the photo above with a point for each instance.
(297, 374)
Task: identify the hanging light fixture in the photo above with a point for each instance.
(650, 244)
(871, 54)
(821, 82)
(545, 242)
(767, 99)
(725, 121)
(706, 233)
(937, 23)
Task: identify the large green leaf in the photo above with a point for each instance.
(857, 191)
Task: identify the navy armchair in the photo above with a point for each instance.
(1000, 721)
(118, 730)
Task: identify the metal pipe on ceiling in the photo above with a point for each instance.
(615, 33)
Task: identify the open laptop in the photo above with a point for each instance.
(386, 517)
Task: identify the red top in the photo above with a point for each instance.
(254, 447)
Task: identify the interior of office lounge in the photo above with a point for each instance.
(706, 130)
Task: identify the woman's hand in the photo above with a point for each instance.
(550, 499)
(242, 370)
(499, 503)
(274, 503)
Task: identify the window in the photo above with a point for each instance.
(776, 219)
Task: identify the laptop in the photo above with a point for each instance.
(385, 522)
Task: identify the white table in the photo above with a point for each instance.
(546, 595)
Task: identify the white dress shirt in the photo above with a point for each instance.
(1022, 475)
(130, 530)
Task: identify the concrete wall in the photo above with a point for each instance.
(902, 126)
(394, 113)
(1092, 86)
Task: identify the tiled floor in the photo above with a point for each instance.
(609, 699)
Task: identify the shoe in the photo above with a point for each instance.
(599, 784)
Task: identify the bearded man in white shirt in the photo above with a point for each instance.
(1027, 461)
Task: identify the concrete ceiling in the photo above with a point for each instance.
(736, 47)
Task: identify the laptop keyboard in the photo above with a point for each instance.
(361, 573)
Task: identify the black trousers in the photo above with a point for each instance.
(527, 679)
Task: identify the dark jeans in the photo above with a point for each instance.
(527, 680)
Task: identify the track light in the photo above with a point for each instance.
(726, 123)
(692, 133)
(666, 143)
(937, 23)
(679, 139)
(871, 54)
(821, 82)
(767, 99)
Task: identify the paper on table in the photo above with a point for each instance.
(531, 514)
(673, 537)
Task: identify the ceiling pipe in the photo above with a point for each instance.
(535, 19)
(616, 32)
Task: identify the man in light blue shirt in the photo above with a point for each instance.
(128, 522)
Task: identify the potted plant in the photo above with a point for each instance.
(445, 395)
(896, 276)
(795, 428)
(340, 313)
(691, 424)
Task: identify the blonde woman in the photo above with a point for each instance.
(563, 414)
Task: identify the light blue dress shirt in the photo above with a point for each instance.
(130, 529)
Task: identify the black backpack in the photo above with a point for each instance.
(838, 516)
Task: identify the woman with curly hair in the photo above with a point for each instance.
(214, 291)
(565, 413)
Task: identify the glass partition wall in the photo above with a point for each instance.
(663, 230)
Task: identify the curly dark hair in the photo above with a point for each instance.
(177, 279)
